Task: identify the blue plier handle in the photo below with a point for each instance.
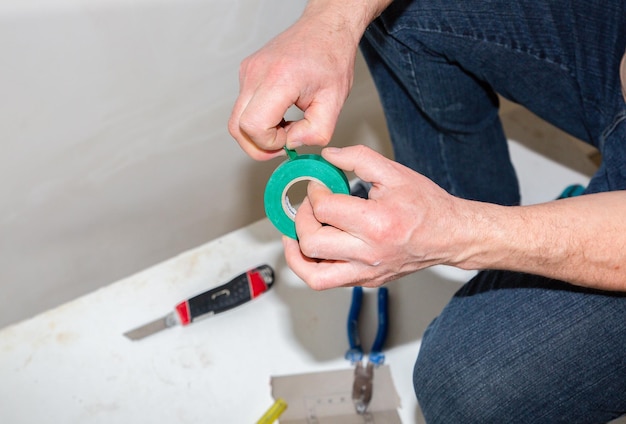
(362, 387)
(355, 353)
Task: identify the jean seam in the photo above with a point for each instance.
(449, 180)
(619, 118)
(397, 30)
(440, 139)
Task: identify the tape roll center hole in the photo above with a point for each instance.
(294, 194)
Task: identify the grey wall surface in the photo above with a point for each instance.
(114, 149)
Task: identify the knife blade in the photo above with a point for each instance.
(237, 291)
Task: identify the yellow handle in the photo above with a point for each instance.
(274, 412)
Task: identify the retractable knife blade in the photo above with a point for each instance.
(237, 291)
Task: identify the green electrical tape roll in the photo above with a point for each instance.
(298, 168)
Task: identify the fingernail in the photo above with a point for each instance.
(333, 150)
(293, 144)
(315, 185)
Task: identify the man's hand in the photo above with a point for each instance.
(311, 66)
(346, 240)
(409, 223)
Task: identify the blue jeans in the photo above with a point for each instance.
(509, 347)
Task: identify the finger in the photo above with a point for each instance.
(367, 164)
(318, 124)
(245, 142)
(306, 223)
(259, 110)
(323, 275)
(319, 275)
(262, 116)
(260, 121)
(347, 213)
(301, 265)
(320, 241)
(329, 242)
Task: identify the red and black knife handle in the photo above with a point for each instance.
(237, 291)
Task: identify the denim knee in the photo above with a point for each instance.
(449, 392)
(516, 348)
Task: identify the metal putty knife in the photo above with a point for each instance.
(238, 291)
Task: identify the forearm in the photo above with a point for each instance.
(580, 240)
(351, 15)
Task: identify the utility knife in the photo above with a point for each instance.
(237, 291)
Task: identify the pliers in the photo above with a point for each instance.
(364, 375)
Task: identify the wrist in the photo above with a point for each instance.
(352, 16)
(482, 241)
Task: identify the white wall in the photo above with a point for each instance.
(114, 148)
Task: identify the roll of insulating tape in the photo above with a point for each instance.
(298, 168)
